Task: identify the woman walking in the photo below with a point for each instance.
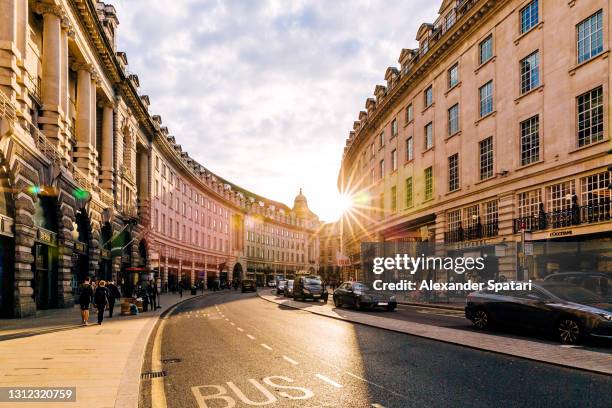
(101, 299)
(85, 299)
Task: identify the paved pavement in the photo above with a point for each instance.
(102, 362)
(234, 349)
(592, 359)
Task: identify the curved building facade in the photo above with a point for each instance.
(498, 124)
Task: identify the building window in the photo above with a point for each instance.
(453, 172)
(453, 119)
(409, 149)
(530, 140)
(409, 114)
(372, 150)
(485, 49)
(530, 72)
(486, 98)
(429, 136)
(590, 117)
(558, 196)
(471, 217)
(393, 199)
(428, 183)
(595, 193)
(409, 200)
(529, 16)
(394, 128)
(394, 160)
(529, 203)
(453, 220)
(453, 76)
(491, 218)
(382, 168)
(372, 176)
(428, 96)
(450, 19)
(381, 139)
(590, 37)
(381, 203)
(486, 158)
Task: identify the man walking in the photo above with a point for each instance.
(113, 295)
(151, 289)
(101, 299)
(85, 300)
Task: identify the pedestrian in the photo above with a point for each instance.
(151, 293)
(101, 299)
(85, 299)
(113, 295)
(180, 289)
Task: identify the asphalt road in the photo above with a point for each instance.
(255, 353)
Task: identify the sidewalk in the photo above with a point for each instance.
(102, 362)
(552, 353)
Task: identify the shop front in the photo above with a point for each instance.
(45, 267)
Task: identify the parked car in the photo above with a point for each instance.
(248, 285)
(567, 311)
(289, 289)
(280, 288)
(272, 284)
(361, 296)
(309, 287)
(596, 282)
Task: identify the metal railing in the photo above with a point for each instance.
(7, 110)
(577, 215)
(476, 231)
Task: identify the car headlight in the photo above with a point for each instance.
(606, 316)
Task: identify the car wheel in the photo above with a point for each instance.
(358, 304)
(325, 300)
(337, 302)
(390, 308)
(481, 319)
(568, 330)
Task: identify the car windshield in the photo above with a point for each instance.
(312, 281)
(573, 293)
(361, 286)
(290, 284)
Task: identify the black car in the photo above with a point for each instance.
(362, 296)
(567, 311)
(280, 287)
(309, 287)
(248, 285)
(596, 282)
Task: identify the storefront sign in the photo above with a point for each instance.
(105, 253)
(46, 237)
(80, 247)
(563, 233)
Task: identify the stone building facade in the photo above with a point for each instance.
(80, 168)
(497, 124)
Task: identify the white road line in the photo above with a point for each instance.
(240, 330)
(378, 406)
(328, 380)
(266, 346)
(226, 319)
(290, 360)
(250, 337)
(232, 323)
(377, 385)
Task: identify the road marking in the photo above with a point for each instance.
(226, 319)
(378, 406)
(232, 323)
(240, 330)
(250, 337)
(377, 385)
(266, 346)
(290, 360)
(328, 380)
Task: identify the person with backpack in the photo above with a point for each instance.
(85, 299)
(114, 295)
(101, 296)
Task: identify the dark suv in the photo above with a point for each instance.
(248, 285)
(309, 287)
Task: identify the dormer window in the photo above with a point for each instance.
(425, 46)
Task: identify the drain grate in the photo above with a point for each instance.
(171, 360)
(153, 374)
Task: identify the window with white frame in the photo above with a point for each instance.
(589, 34)
(382, 168)
(409, 149)
(453, 172)
(428, 135)
(428, 183)
(530, 72)
(558, 196)
(595, 191)
(529, 203)
(529, 16)
(381, 139)
(409, 114)
(590, 117)
(453, 119)
(453, 220)
(485, 49)
(409, 195)
(485, 148)
(393, 199)
(428, 96)
(394, 128)
(394, 160)
(530, 140)
(453, 75)
(490, 212)
(471, 215)
(486, 98)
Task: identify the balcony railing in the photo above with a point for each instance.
(477, 231)
(7, 110)
(578, 215)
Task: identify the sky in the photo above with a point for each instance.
(264, 93)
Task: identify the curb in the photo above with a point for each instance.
(585, 369)
(432, 305)
(129, 386)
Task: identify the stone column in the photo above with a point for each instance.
(83, 117)
(107, 148)
(51, 70)
(93, 170)
(143, 176)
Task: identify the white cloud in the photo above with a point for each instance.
(264, 92)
